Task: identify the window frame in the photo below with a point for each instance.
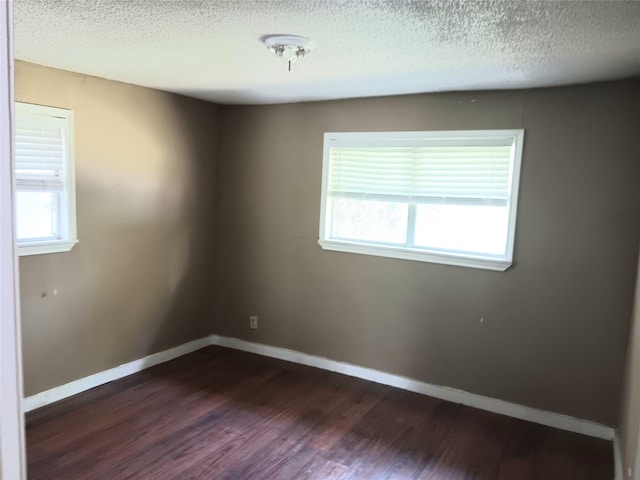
(66, 207)
(421, 138)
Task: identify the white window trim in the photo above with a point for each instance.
(461, 137)
(69, 206)
(39, 248)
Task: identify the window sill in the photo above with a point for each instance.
(40, 248)
(410, 254)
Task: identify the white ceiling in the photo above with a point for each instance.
(211, 49)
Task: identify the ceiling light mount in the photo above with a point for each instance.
(289, 47)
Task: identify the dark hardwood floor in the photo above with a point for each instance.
(223, 414)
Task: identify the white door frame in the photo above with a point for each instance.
(12, 451)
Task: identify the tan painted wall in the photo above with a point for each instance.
(157, 230)
(630, 418)
(139, 280)
(556, 323)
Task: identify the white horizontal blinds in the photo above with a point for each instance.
(40, 152)
(422, 173)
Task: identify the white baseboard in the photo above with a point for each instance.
(63, 391)
(617, 458)
(556, 420)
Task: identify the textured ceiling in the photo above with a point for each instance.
(211, 49)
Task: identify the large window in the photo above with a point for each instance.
(45, 186)
(443, 197)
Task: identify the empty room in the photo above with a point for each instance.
(328, 239)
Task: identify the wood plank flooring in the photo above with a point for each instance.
(223, 414)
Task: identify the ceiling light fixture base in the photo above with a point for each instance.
(289, 47)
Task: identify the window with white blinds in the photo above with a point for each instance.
(44, 176)
(444, 197)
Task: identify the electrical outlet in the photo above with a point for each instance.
(253, 322)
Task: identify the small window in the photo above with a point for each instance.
(45, 185)
(442, 197)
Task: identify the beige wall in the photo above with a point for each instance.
(555, 324)
(630, 417)
(158, 242)
(139, 280)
